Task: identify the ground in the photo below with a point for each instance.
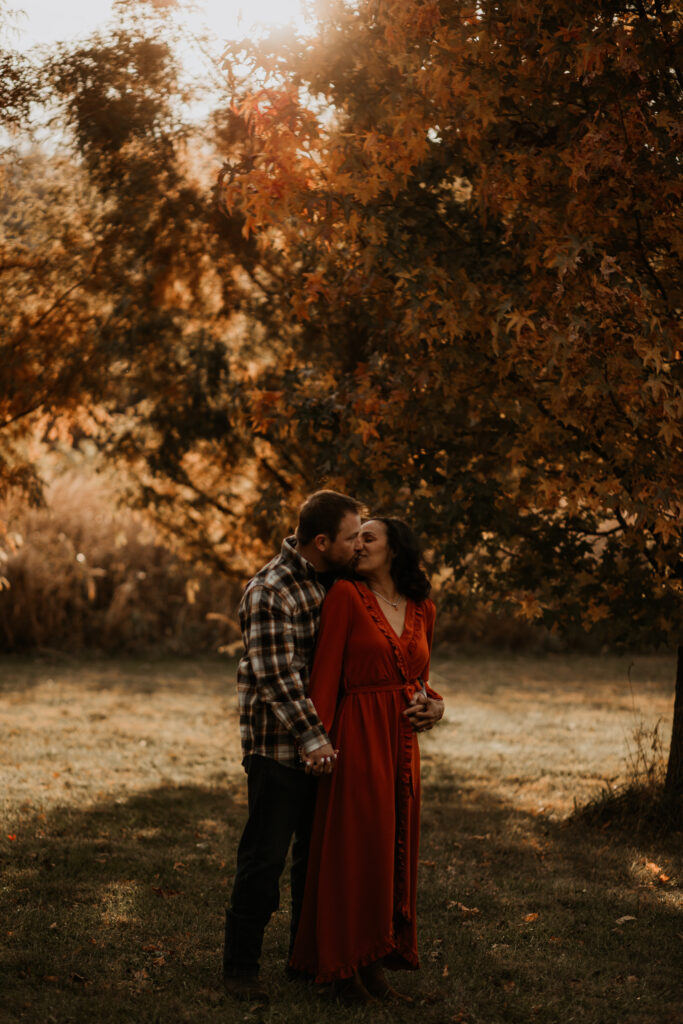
(122, 799)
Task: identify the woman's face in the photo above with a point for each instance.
(375, 555)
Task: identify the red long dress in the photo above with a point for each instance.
(359, 902)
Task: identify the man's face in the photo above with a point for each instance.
(340, 552)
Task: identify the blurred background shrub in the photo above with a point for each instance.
(81, 572)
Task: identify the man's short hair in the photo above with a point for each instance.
(322, 512)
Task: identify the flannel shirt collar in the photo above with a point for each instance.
(291, 557)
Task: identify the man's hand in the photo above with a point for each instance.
(321, 761)
(424, 712)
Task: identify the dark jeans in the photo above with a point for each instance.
(281, 805)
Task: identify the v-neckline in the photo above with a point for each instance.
(399, 636)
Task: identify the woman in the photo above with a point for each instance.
(368, 686)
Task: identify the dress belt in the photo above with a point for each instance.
(408, 688)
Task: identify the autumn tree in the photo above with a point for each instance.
(443, 277)
(121, 317)
(478, 211)
(17, 89)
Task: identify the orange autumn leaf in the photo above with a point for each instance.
(465, 911)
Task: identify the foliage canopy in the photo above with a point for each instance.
(482, 290)
(439, 270)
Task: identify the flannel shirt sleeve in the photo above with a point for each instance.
(269, 634)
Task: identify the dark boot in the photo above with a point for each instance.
(246, 988)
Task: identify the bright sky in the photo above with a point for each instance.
(49, 20)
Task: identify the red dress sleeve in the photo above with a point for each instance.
(328, 662)
(430, 616)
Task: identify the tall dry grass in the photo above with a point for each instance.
(641, 804)
(82, 573)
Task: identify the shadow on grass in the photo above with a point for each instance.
(108, 907)
(115, 913)
(548, 921)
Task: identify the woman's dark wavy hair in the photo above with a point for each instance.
(407, 569)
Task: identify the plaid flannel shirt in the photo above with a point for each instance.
(279, 617)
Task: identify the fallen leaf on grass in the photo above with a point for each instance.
(664, 878)
(465, 911)
(509, 986)
(625, 919)
(531, 917)
(651, 866)
(13, 837)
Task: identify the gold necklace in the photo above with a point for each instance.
(394, 604)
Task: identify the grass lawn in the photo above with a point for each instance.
(122, 801)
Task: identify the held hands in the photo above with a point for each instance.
(320, 761)
(424, 712)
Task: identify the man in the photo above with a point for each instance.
(283, 741)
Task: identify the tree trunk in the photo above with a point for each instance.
(674, 772)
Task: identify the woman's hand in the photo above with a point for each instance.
(424, 712)
(321, 761)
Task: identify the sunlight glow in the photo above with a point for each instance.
(44, 21)
(225, 16)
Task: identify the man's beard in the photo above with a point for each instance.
(341, 571)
